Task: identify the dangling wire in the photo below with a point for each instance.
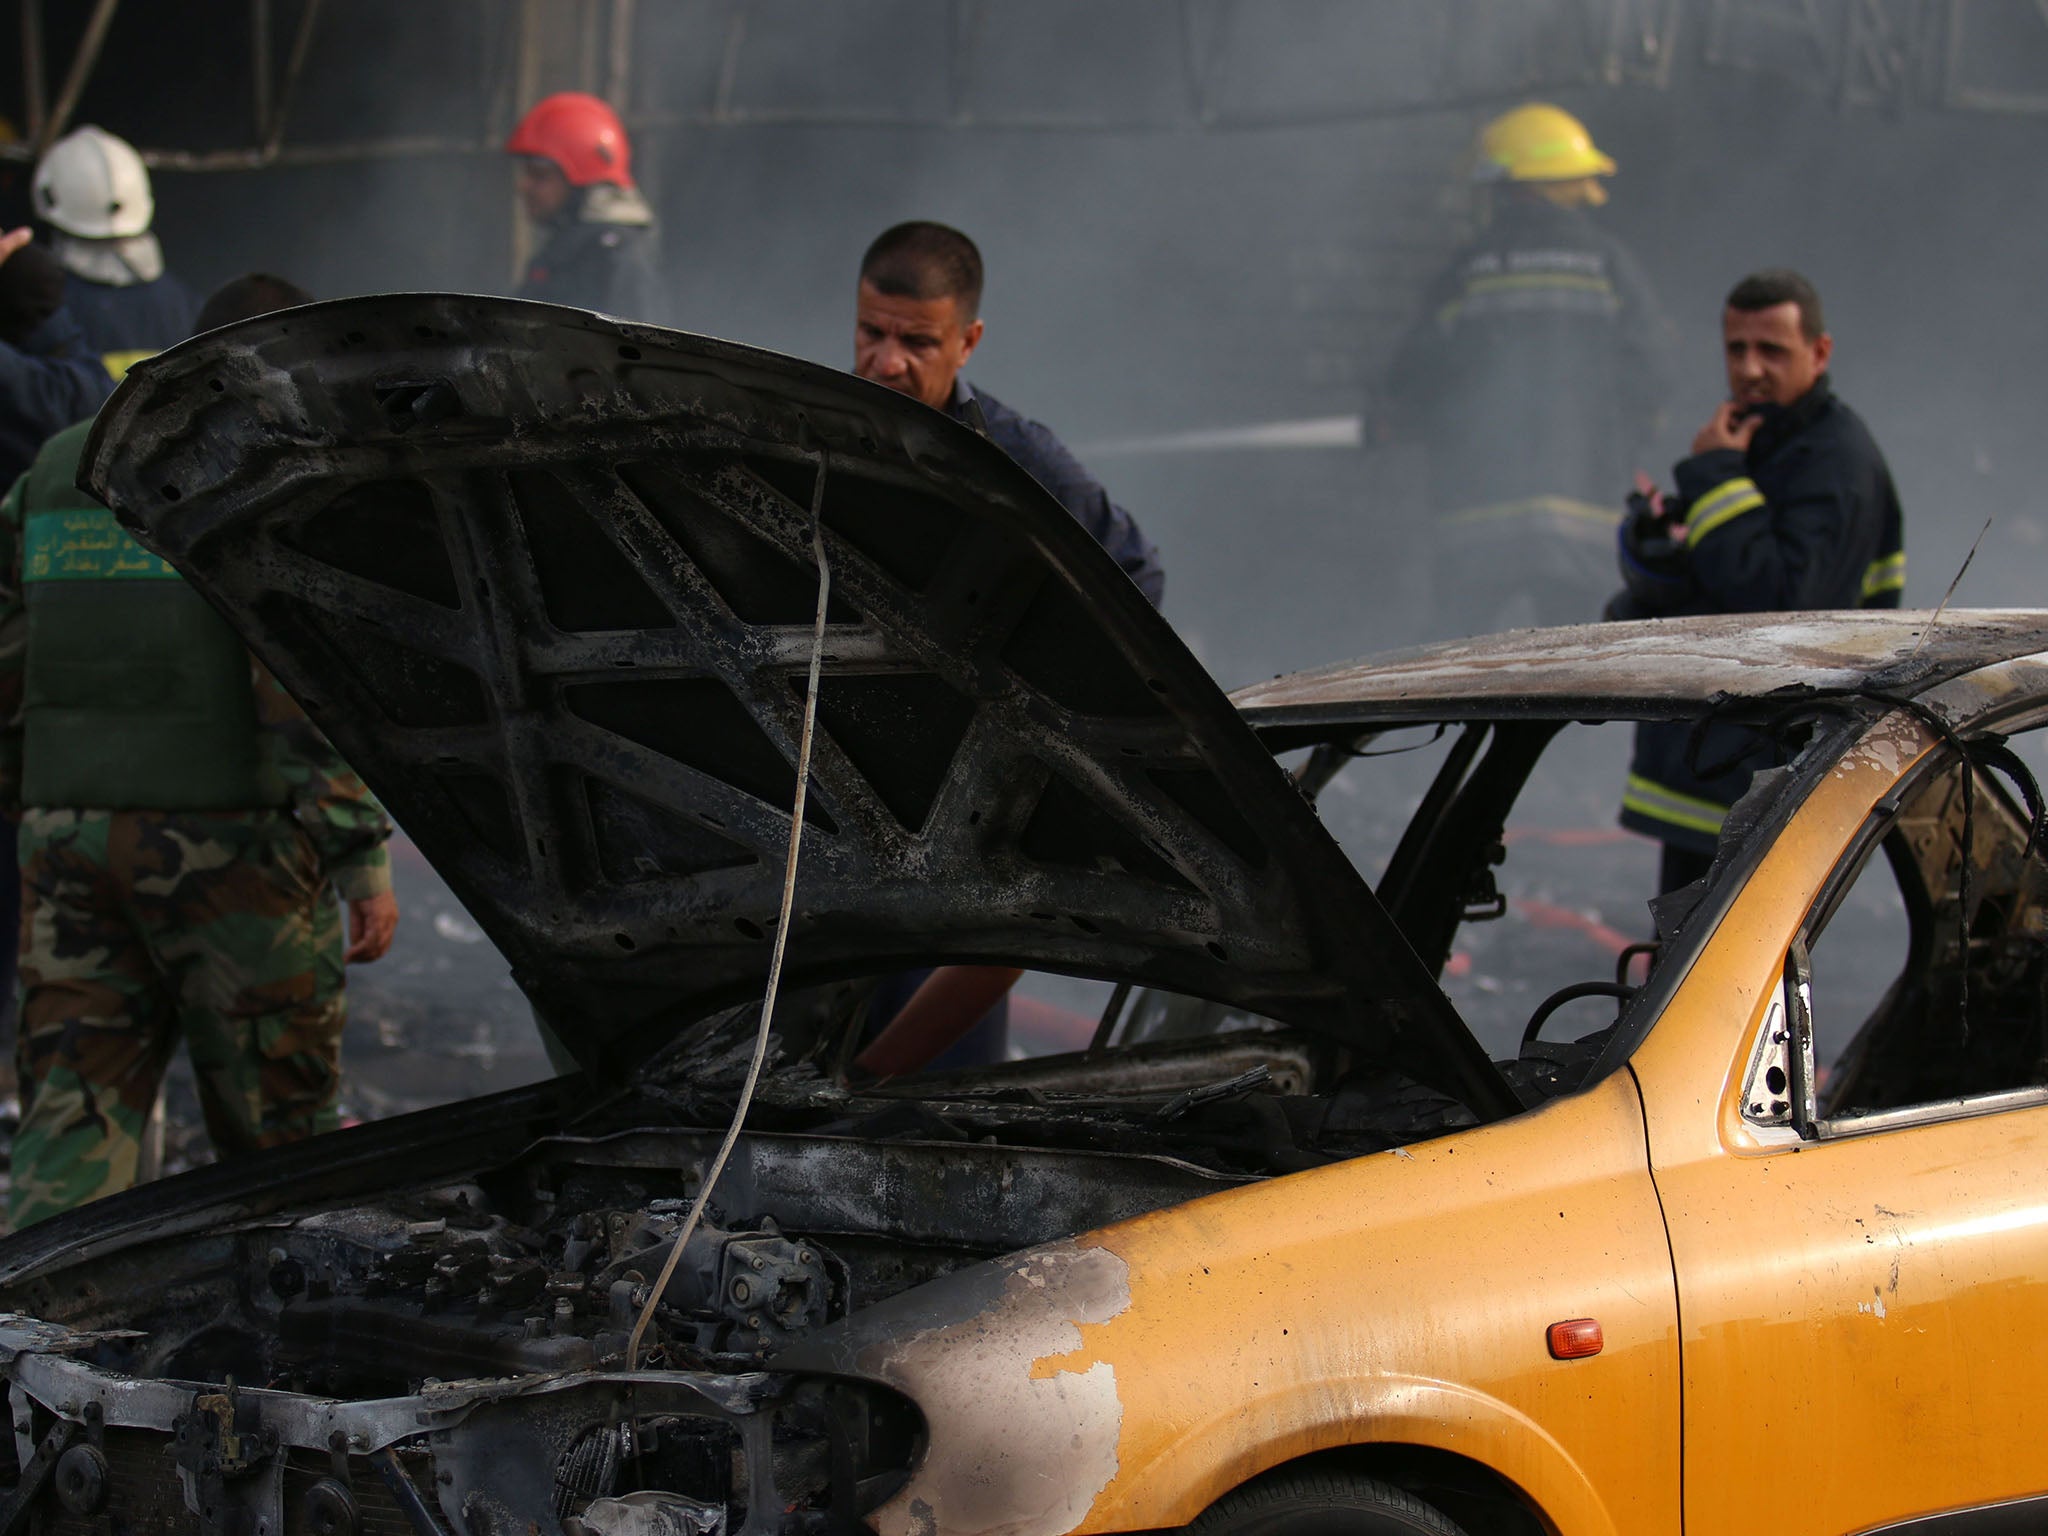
(1954, 582)
(796, 835)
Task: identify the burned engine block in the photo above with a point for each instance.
(375, 1291)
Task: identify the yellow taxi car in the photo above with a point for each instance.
(1792, 1219)
(1359, 1210)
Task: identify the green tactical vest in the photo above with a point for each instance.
(136, 695)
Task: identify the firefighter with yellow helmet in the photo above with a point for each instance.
(1549, 150)
(1534, 378)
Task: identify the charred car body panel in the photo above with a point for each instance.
(547, 582)
(1057, 1296)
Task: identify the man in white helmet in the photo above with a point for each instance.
(93, 190)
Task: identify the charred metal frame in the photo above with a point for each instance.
(1881, 53)
(482, 1440)
(1070, 789)
(272, 94)
(432, 1145)
(1971, 678)
(1612, 41)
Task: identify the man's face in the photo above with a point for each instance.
(1771, 361)
(915, 346)
(543, 189)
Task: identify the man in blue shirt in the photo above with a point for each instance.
(918, 320)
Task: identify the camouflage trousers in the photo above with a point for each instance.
(142, 927)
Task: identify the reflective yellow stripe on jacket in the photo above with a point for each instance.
(1659, 802)
(1540, 289)
(1720, 507)
(1885, 575)
(1537, 282)
(117, 364)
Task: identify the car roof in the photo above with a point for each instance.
(1650, 669)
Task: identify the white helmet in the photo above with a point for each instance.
(93, 185)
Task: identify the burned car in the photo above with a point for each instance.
(1753, 1227)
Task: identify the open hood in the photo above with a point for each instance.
(545, 579)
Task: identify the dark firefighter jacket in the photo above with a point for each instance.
(1807, 518)
(593, 262)
(123, 324)
(1537, 369)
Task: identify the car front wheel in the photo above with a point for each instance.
(1311, 1503)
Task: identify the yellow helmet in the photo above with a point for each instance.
(1538, 142)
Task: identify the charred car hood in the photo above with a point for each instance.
(546, 581)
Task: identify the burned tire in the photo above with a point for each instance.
(1321, 1504)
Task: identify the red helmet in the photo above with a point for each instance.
(580, 134)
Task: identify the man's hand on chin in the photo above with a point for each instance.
(1728, 427)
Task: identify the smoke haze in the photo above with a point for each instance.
(1209, 215)
(1195, 215)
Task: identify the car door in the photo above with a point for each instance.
(1858, 1201)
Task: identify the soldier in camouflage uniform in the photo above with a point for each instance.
(184, 832)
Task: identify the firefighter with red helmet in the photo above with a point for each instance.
(576, 184)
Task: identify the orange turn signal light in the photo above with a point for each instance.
(1576, 1339)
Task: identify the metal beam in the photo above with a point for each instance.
(1878, 52)
(499, 40)
(415, 147)
(586, 46)
(1642, 41)
(82, 63)
(33, 86)
(1887, 53)
(963, 23)
(1783, 18)
(729, 63)
(528, 76)
(1203, 67)
(260, 51)
(1958, 92)
(618, 75)
(295, 67)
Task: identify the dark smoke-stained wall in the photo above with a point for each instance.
(1184, 267)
